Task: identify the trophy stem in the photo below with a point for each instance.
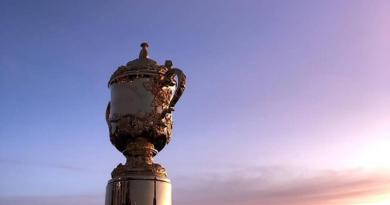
(139, 160)
(139, 153)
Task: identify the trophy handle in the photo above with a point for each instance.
(181, 85)
(108, 110)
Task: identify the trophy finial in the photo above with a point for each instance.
(168, 64)
(143, 54)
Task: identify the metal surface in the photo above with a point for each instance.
(139, 118)
(139, 190)
(143, 95)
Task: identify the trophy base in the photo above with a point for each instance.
(139, 190)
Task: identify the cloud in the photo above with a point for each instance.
(42, 164)
(51, 200)
(323, 188)
(254, 186)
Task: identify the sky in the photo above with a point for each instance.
(287, 102)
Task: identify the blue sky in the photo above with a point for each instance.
(300, 88)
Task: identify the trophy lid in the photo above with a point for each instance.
(141, 67)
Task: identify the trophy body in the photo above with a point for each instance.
(139, 117)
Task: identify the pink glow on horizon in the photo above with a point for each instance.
(288, 102)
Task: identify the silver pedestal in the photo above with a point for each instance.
(139, 190)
